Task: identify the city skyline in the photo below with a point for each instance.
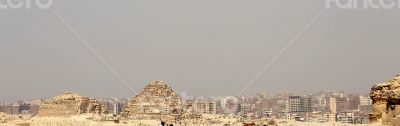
(187, 95)
(322, 107)
(199, 62)
(205, 48)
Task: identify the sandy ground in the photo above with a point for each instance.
(324, 124)
(83, 120)
(58, 122)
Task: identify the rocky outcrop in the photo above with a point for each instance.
(69, 104)
(386, 102)
(156, 99)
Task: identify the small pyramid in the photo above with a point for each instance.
(69, 104)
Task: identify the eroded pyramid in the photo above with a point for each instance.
(157, 98)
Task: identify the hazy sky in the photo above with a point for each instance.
(202, 47)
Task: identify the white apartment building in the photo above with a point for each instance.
(205, 107)
(365, 100)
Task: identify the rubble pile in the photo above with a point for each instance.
(156, 99)
(386, 102)
(69, 104)
(4, 117)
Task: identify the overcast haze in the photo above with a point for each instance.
(202, 47)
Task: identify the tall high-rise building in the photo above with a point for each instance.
(306, 104)
(342, 104)
(116, 108)
(332, 105)
(300, 104)
(354, 102)
(295, 104)
(338, 104)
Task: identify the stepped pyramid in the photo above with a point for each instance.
(69, 104)
(157, 98)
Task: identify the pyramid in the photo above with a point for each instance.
(69, 104)
(157, 98)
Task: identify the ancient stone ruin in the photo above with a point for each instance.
(386, 102)
(69, 104)
(155, 100)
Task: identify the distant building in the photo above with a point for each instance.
(320, 104)
(245, 108)
(306, 104)
(295, 104)
(268, 113)
(338, 104)
(282, 106)
(114, 106)
(230, 105)
(300, 104)
(117, 108)
(330, 117)
(11, 109)
(332, 105)
(345, 117)
(365, 100)
(361, 119)
(24, 108)
(342, 104)
(354, 102)
(205, 107)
